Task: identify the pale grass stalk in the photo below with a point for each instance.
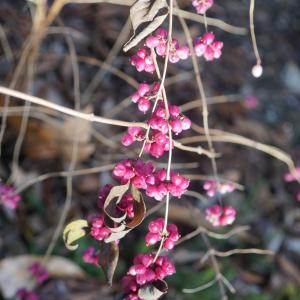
(215, 235)
(185, 14)
(98, 77)
(73, 173)
(210, 100)
(252, 32)
(74, 154)
(162, 89)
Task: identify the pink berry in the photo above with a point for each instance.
(152, 238)
(183, 52)
(127, 140)
(143, 89)
(152, 41)
(168, 244)
(144, 105)
(185, 123)
(208, 38)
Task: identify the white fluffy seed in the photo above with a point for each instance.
(257, 71)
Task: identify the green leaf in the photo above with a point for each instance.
(73, 232)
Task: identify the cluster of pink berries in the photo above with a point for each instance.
(177, 121)
(99, 230)
(156, 234)
(38, 272)
(144, 271)
(207, 47)
(202, 5)
(40, 275)
(144, 94)
(157, 142)
(90, 256)
(144, 176)
(143, 61)
(220, 216)
(212, 187)
(24, 294)
(159, 42)
(8, 196)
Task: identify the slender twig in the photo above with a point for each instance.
(252, 32)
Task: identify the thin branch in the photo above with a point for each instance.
(71, 112)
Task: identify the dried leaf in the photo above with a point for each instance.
(153, 291)
(116, 236)
(54, 138)
(73, 232)
(139, 208)
(109, 256)
(14, 274)
(113, 198)
(146, 16)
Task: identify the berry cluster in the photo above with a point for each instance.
(99, 230)
(220, 216)
(24, 294)
(8, 197)
(90, 256)
(157, 141)
(177, 121)
(212, 187)
(145, 270)
(156, 234)
(144, 176)
(202, 5)
(207, 47)
(144, 94)
(159, 42)
(143, 61)
(38, 272)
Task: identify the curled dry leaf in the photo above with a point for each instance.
(146, 16)
(153, 290)
(139, 208)
(115, 236)
(73, 232)
(108, 260)
(113, 198)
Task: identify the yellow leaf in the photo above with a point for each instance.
(73, 232)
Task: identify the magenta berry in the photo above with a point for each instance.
(8, 197)
(220, 216)
(202, 5)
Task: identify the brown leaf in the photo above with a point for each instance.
(113, 198)
(153, 290)
(139, 208)
(108, 260)
(146, 16)
(54, 138)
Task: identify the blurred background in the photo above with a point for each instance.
(267, 110)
